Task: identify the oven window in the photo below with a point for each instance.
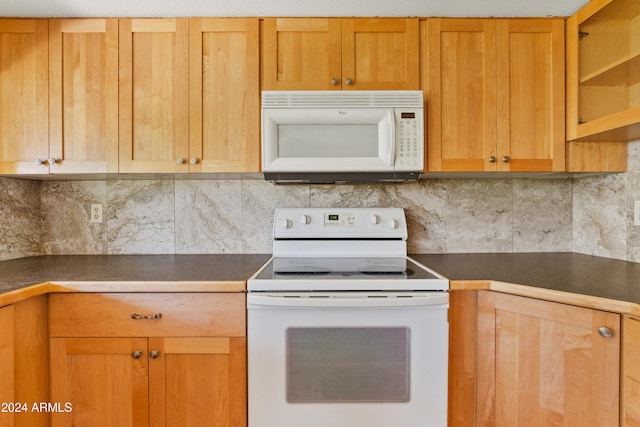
(347, 365)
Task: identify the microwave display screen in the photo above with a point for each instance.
(339, 140)
(408, 115)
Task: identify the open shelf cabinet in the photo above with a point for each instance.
(603, 72)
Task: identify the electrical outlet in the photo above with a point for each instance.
(636, 213)
(96, 213)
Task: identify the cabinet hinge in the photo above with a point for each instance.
(582, 34)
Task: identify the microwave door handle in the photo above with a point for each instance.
(392, 135)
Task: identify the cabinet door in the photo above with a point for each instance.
(7, 394)
(224, 95)
(530, 73)
(460, 93)
(631, 373)
(198, 382)
(154, 94)
(24, 130)
(301, 53)
(100, 381)
(380, 54)
(83, 79)
(545, 364)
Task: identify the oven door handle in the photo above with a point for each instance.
(270, 300)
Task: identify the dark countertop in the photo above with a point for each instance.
(566, 272)
(22, 272)
(558, 271)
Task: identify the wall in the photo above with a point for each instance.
(592, 215)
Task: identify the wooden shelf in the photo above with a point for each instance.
(621, 126)
(617, 73)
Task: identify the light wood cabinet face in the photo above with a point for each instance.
(83, 84)
(301, 54)
(199, 382)
(101, 379)
(6, 364)
(461, 94)
(334, 54)
(224, 99)
(24, 129)
(83, 81)
(631, 373)
(154, 94)
(161, 359)
(543, 363)
(530, 73)
(495, 91)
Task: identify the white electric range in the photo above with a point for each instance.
(345, 329)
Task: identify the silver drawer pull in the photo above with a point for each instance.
(136, 316)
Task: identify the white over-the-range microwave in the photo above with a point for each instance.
(342, 136)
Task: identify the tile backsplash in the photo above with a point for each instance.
(592, 215)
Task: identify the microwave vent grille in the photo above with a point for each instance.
(343, 99)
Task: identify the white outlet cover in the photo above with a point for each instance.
(636, 213)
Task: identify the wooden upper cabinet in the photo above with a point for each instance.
(154, 95)
(334, 54)
(83, 88)
(24, 130)
(301, 53)
(461, 94)
(603, 72)
(224, 115)
(380, 54)
(495, 91)
(531, 109)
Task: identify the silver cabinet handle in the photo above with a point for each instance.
(349, 81)
(492, 159)
(193, 160)
(38, 162)
(335, 81)
(52, 160)
(136, 354)
(605, 332)
(154, 354)
(136, 316)
(505, 159)
(179, 160)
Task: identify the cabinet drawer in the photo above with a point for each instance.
(147, 314)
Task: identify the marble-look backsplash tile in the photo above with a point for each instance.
(600, 220)
(20, 227)
(236, 215)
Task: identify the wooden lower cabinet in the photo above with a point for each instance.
(152, 380)
(24, 368)
(6, 364)
(541, 363)
(518, 361)
(631, 373)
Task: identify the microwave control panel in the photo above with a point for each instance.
(409, 140)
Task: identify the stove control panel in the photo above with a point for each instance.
(340, 223)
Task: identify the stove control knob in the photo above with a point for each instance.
(375, 219)
(394, 223)
(305, 219)
(287, 223)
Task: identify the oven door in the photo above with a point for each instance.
(348, 359)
